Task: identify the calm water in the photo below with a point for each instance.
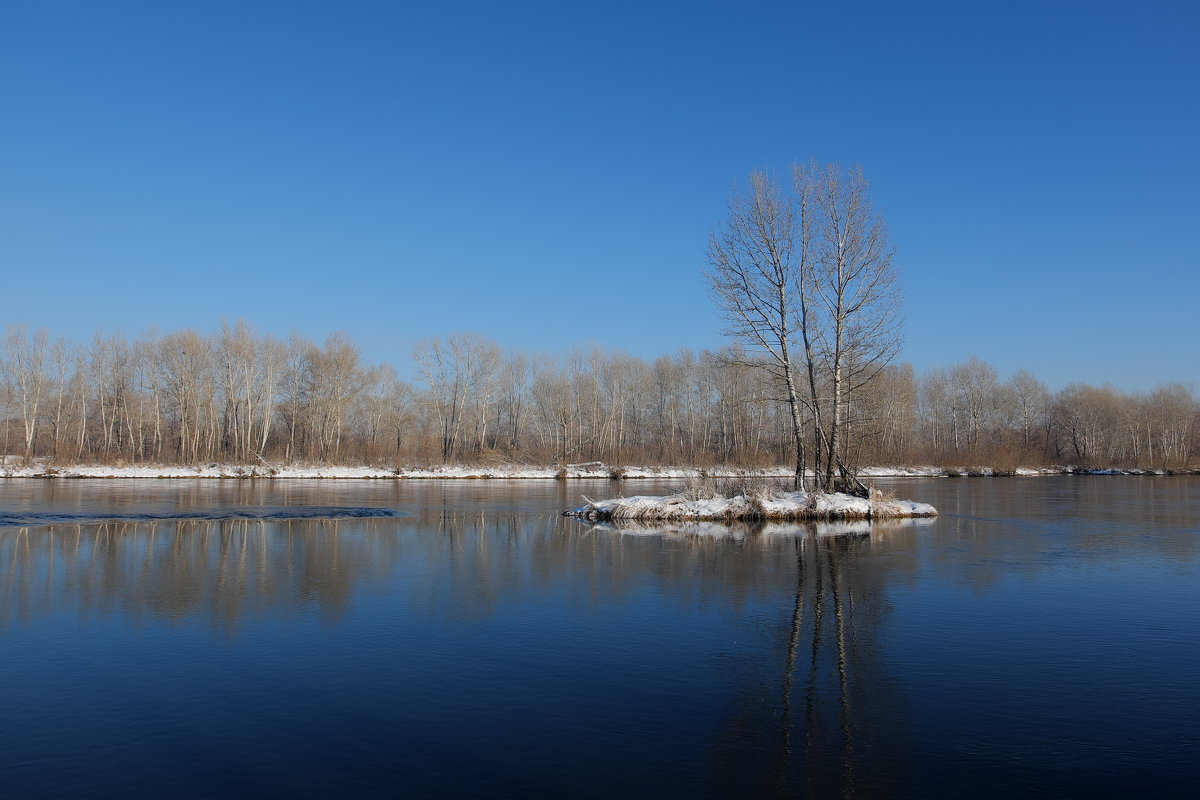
(223, 639)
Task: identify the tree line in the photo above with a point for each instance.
(235, 395)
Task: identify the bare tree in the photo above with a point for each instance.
(1032, 402)
(336, 378)
(1171, 422)
(807, 281)
(461, 374)
(295, 391)
(185, 359)
(757, 261)
(1088, 418)
(26, 361)
(974, 389)
(849, 300)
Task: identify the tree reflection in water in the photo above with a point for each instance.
(221, 570)
(1009, 635)
(814, 710)
(834, 724)
(824, 717)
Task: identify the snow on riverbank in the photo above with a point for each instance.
(13, 467)
(781, 506)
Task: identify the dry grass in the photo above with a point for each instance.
(761, 487)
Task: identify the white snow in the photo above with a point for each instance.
(790, 505)
(901, 472)
(13, 467)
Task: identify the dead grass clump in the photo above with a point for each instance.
(759, 486)
(875, 494)
(492, 457)
(706, 487)
(701, 487)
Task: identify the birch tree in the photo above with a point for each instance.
(1032, 402)
(756, 262)
(26, 361)
(806, 280)
(461, 374)
(848, 297)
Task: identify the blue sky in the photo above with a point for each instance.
(547, 173)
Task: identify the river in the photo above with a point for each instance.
(307, 638)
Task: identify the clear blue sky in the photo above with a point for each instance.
(548, 173)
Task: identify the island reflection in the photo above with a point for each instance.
(440, 563)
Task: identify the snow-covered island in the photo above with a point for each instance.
(750, 505)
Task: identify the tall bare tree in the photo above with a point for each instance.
(1032, 400)
(461, 375)
(757, 261)
(26, 362)
(849, 301)
(807, 281)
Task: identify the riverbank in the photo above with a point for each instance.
(13, 467)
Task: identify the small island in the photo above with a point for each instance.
(750, 504)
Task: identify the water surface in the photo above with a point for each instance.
(277, 638)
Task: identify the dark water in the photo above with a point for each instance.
(238, 639)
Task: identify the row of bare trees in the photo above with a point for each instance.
(238, 396)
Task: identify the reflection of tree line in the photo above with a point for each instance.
(221, 570)
(135, 496)
(812, 726)
(828, 717)
(992, 529)
(824, 697)
(480, 559)
(449, 563)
